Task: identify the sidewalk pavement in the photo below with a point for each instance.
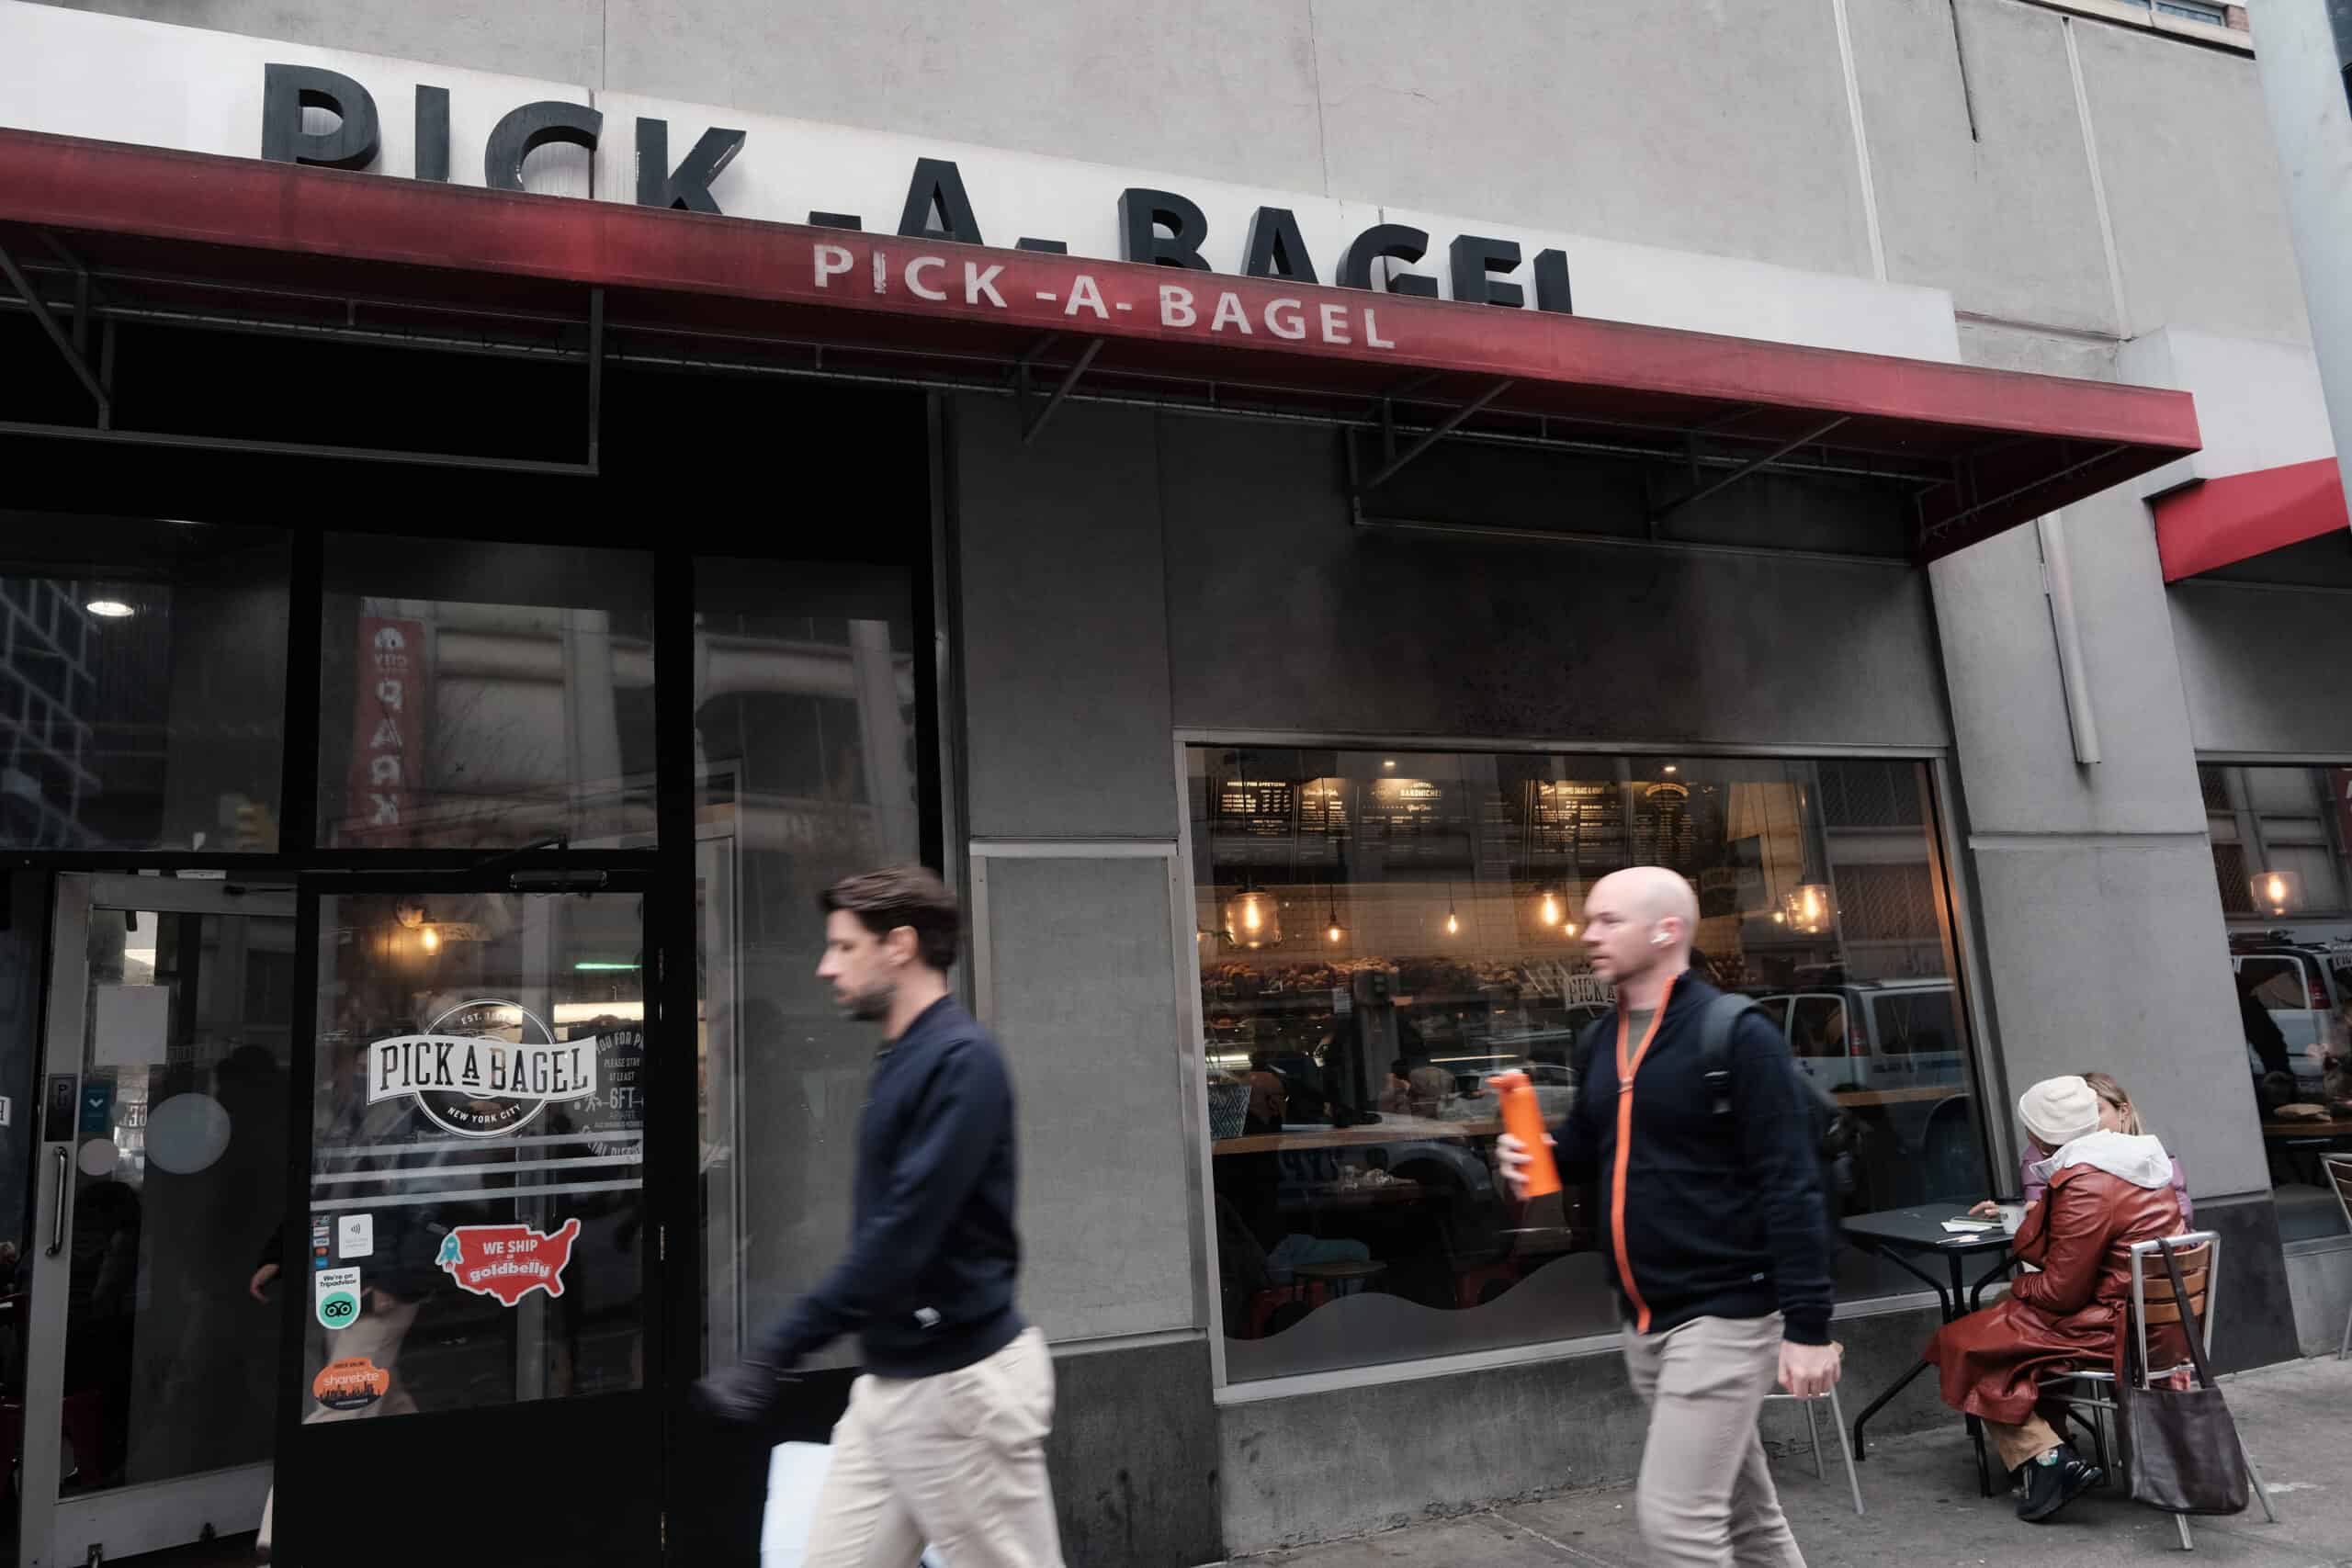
(1924, 1511)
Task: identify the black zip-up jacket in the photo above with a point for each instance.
(1723, 1216)
(928, 1284)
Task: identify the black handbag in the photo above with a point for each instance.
(2180, 1448)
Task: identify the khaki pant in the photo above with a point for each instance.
(2029, 1439)
(1705, 1499)
(377, 1336)
(957, 1460)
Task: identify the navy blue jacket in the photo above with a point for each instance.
(1723, 1216)
(928, 1284)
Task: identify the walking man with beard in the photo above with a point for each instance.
(1718, 1241)
(944, 1440)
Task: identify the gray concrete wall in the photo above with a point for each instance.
(1319, 1465)
(1285, 616)
(1079, 983)
(2320, 1278)
(2263, 668)
(2101, 922)
(1065, 646)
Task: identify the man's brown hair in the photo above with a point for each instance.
(910, 895)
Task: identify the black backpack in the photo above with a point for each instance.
(1836, 1130)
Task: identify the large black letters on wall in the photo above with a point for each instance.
(524, 131)
(689, 185)
(287, 90)
(432, 134)
(1476, 259)
(1143, 213)
(1398, 241)
(1275, 249)
(938, 187)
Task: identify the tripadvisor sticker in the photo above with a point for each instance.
(353, 1384)
(337, 1297)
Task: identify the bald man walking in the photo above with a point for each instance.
(1716, 1228)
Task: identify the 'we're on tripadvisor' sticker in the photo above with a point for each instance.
(337, 1297)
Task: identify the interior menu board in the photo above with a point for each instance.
(1256, 808)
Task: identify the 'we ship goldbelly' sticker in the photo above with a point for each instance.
(508, 1261)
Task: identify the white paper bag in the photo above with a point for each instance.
(796, 1475)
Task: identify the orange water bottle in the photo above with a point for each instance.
(1523, 1120)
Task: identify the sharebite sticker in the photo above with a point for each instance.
(508, 1262)
(353, 1384)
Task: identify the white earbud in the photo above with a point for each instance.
(1658, 941)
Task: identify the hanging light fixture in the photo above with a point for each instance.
(1453, 920)
(2277, 892)
(1807, 910)
(429, 938)
(1253, 919)
(1548, 911)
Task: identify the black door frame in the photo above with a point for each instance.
(519, 1461)
(890, 508)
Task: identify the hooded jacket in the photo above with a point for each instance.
(2106, 1191)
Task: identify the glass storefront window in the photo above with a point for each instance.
(477, 1223)
(1381, 931)
(485, 695)
(142, 684)
(806, 735)
(2280, 838)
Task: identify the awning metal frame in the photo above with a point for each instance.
(72, 303)
(90, 305)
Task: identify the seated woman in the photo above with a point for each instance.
(2107, 1189)
(2116, 1114)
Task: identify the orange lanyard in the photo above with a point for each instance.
(1626, 1068)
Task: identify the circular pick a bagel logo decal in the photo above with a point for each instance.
(483, 1069)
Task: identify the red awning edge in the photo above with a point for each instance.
(1986, 449)
(2219, 522)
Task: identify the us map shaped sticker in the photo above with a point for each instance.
(508, 1261)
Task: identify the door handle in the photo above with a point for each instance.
(57, 1213)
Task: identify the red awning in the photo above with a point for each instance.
(1979, 450)
(2215, 522)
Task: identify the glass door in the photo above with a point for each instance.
(478, 1250)
(147, 1414)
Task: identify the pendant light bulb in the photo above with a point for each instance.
(431, 938)
(1551, 911)
(1453, 923)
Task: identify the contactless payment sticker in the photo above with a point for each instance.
(355, 1236)
(338, 1297)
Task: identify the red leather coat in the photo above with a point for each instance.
(2070, 1314)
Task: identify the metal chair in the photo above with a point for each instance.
(1838, 1429)
(2153, 1301)
(2339, 1176)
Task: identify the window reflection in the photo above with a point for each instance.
(142, 684)
(485, 695)
(2280, 838)
(1380, 932)
(806, 733)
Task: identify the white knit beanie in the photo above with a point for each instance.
(2059, 1111)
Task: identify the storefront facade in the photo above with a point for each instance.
(1273, 664)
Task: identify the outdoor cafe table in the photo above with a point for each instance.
(1900, 1234)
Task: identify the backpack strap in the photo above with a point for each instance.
(1714, 1047)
